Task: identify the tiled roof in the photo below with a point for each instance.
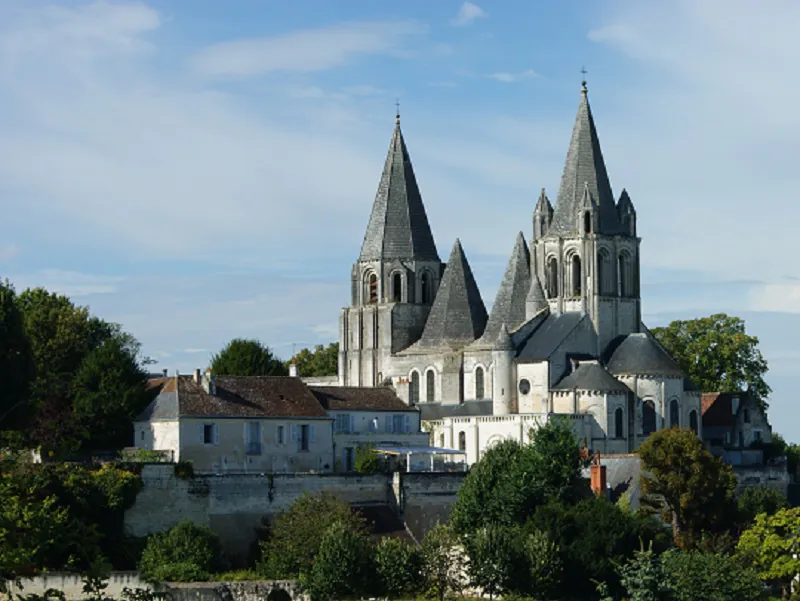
(549, 334)
(433, 411)
(351, 398)
(590, 375)
(717, 409)
(165, 405)
(641, 354)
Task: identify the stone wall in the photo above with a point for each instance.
(427, 498)
(773, 476)
(72, 584)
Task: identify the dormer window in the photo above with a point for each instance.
(397, 287)
(372, 288)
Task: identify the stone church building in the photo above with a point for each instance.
(564, 335)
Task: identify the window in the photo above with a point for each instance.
(576, 275)
(693, 420)
(372, 288)
(430, 386)
(674, 414)
(281, 435)
(624, 282)
(343, 423)
(603, 272)
(441, 441)
(141, 437)
(619, 416)
(552, 277)
(413, 388)
(462, 441)
(253, 438)
(648, 417)
(304, 435)
(425, 286)
(587, 222)
(746, 415)
(479, 384)
(524, 386)
(757, 435)
(210, 434)
(373, 424)
(397, 287)
(397, 424)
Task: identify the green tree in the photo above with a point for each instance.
(772, 547)
(367, 460)
(544, 568)
(399, 568)
(16, 361)
(187, 552)
(294, 536)
(342, 568)
(493, 555)
(780, 448)
(442, 563)
(242, 357)
(717, 354)
(691, 488)
(760, 499)
(709, 576)
(322, 361)
(643, 577)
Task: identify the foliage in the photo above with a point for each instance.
(544, 569)
(771, 546)
(322, 361)
(442, 567)
(643, 577)
(244, 357)
(237, 576)
(367, 460)
(692, 488)
(717, 354)
(760, 499)
(398, 566)
(511, 480)
(709, 576)
(342, 567)
(16, 360)
(294, 537)
(184, 470)
(185, 553)
(493, 553)
(779, 447)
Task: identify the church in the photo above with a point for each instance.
(564, 336)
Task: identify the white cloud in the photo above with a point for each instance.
(506, 77)
(467, 13)
(69, 283)
(778, 298)
(304, 51)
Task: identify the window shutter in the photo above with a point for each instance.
(215, 429)
(294, 432)
(406, 424)
(389, 424)
(351, 424)
(313, 433)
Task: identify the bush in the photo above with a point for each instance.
(342, 566)
(367, 460)
(399, 568)
(709, 576)
(760, 499)
(493, 556)
(186, 553)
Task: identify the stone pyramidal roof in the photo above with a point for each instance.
(509, 304)
(584, 169)
(398, 226)
(458, 315)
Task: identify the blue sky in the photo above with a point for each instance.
(203, 170)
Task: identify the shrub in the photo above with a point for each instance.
(186, 553)
(342, 566)
(442, 566)
(367, 460)
(399, 568)
(493, 555)
(760, 499)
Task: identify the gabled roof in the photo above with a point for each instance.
(717, 408)
(351, 398)
(509, 304)
(641, 354)
(549, 335)
(590, 375)
(165, 405)
(584, 169)
(458, 315)
(434, 411)
(398, 226)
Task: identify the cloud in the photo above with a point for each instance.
(304, 51)
(467, 13)
(777, 298)
(506, 77)
(70, 283)
(8, 252)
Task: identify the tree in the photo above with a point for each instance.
(16, 360)
(493, 556)
(780, 448)
(692, 488)
(399, 568)
(322, 361)
(717, 354)
(544, 568)
(442, 562)
(772, 547)
(643, 577)
(367, 460)
(294, 537)
(709, 576)
(760, 499)
(242, 357)
(187, 552)
(342, 566)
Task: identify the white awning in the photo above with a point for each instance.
(420, 450)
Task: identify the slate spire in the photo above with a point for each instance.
(458, 315)
(509, 304)
(398, 226)
(584, 169)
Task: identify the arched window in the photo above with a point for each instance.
(576, 275)
(542, 226)
(430, 386)
(623, 277)
(648, 417)
(587, 223)
(413, 388)
(552, 277)
(619, 416)
(462, 441)
(674, 414)
(372, 289)
(425, 286)
(603, 272)
(693, 420)
(397, 287)
(479, 384)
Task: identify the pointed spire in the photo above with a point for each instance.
(584, 168)
(509, 304)
(536, 300)
(626, 213)
(625, 204)
(398, 226)
(503, 340)
(458, 315)
(543, 204)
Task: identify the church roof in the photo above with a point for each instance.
(509, 304)
(458, 315)
(547, 337)
(398, 226)
(590, 375)
(433, 411)
(641, 354)
(584, 169)
(503, 341)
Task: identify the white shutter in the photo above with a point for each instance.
(389, 424)
(215, 428)
(312, 434)
(406, 424)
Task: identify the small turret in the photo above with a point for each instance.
(502, 358)
(627, 214)
(588, 213)
(536, 300)
(542, 216)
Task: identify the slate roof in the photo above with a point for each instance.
(351, 398)
(503, 341)
(509, 304)
(434, 411)
(536, 299)
(717, 408)
(398, 226)
(165, 405)
(546, 338)
(458, 315)
(641, 354)
(590, 375)
(584, 169)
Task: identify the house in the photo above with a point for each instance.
(734, 427)
(368, 416)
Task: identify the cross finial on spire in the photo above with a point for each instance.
(397, 110)
(583, 79)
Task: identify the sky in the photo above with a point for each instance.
(199, 171)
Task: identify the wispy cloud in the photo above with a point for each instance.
(467, 13)
(507, 77)
(70, 283)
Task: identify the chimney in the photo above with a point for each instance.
(598, 479)
(164, 371)
(293, 370)
(197, 376)
(209, 382)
